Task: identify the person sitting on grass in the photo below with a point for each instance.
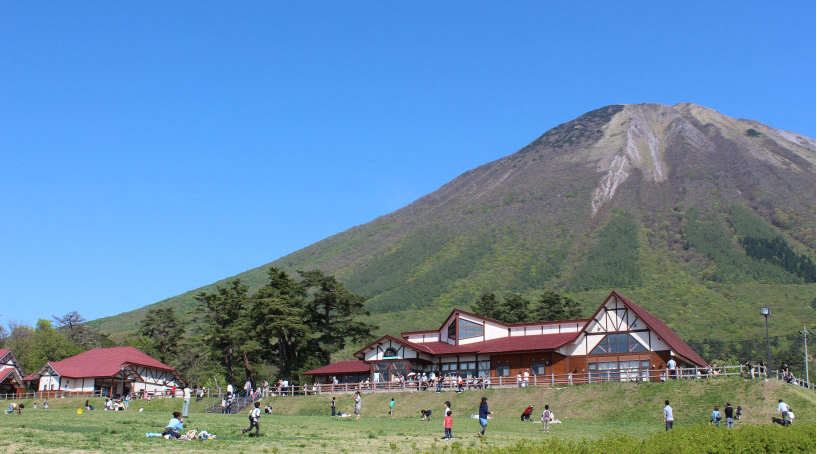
(526, 414)
(175, 426)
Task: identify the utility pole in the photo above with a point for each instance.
(805, 351)
(766, 312)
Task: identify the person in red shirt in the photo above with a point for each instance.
(448, 422)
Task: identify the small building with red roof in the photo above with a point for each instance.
(620, 341)
(11, 374)
(110, 371)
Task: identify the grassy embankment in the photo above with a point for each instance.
(589, 414)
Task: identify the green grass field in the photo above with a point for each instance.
(301, 424)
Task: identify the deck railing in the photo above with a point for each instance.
(450, 383)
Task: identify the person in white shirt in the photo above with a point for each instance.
(255, 413)
(783, 408)
(671, 366)
(526, 377)
(186, 405)
(519, 380)
(668, 419)
(230, 388)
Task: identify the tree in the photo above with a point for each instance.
(487, 305)
(34, 347)
(279, 318)
(71, 324)
(70, 320)
(165, 332)
(515, 309)
(228, 328)
(334, 313)
(553, 306)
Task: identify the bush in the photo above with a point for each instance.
(687, 440)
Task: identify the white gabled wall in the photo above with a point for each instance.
(494, 331)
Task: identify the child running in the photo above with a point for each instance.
(448, 423)
(254, 414)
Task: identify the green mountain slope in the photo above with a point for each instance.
(699, 217)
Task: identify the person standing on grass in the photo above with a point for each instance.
(483, 416)
(668, 419)
(357, 404)
(448, 423)
(391, 407)
(546, 417)
(333, 406)
(186, 405)
(729, 412)
(254, 414)
(783, 409)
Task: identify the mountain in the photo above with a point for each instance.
(697, 216)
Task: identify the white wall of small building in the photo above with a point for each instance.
(48, 382)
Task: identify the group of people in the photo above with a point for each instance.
(120, 404)
(730, 413)
(547, 417)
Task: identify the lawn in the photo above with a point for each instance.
(301, 424)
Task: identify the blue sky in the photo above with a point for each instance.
(149, 148)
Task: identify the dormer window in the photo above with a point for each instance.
(618, 343)
(470, 329)
(390, 353)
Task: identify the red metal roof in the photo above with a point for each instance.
(104, 362)
(662, 330)
(341, 367)
(7, 372)
(3, 352)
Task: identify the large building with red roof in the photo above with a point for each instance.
(110, 371)
(620, 340)
(11, 374)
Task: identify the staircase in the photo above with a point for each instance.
(240, 401)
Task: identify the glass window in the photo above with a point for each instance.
(503, 371)
(618, 343)
(469, 329)
(390, 352)
(452, 330)
(484, 368)
(449, 367)
(538, 369)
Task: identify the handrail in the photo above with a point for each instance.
(449, 383)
